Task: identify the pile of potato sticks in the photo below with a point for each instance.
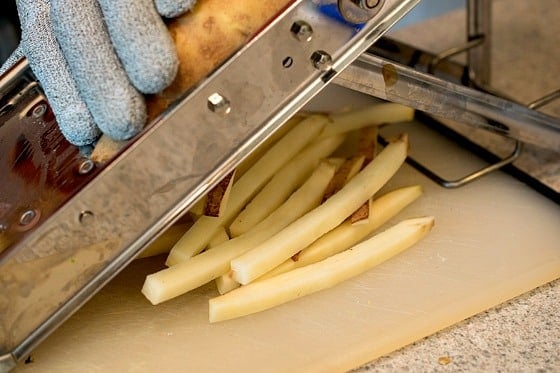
(295, 217)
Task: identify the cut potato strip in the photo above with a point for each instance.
(219, 238)
(256, 154)
(330, 214)
(262, 295)
(196, 238)
(361, 215)
(165, 241)
(205, 267)
(367, 144)
(197, 210)
(347, 235)
(344, 173)
(370, 116)
(367, 147)
(226, 283)
(217, 197)
(283, 183)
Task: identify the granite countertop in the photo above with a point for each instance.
(522, 334)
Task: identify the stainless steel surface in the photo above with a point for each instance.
(81, 244)
(385, 79)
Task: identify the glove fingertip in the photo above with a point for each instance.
(173, 8)
(124, 118)
(156, 72)
(77, 126)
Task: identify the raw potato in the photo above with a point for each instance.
(204, 38)
(218, 238)
(283, 183)
(262, 295)
(344, 173)
(165, 242)
(196, 238)
(372, 115)
(330, 214)
(207, 36)
(262, 148)
(347, 235)
(205, 267)
(368, 148)
(225, 283)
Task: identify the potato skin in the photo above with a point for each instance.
(207, 36)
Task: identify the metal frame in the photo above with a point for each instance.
(176, 160)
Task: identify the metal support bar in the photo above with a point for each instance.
(384, 79)
(479, 22)
(442, 56)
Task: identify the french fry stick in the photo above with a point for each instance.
(368, 148)
(165, 242)
(344, 173)
(256, 154)
(347, 234)
(218, 238)
(319, 221)
(261, 295)
(370, 116)
(196, 238)
(225, 283)
(283, 183)
(205, 267)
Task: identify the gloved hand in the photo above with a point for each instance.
(95, 58)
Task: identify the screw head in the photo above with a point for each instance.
(359, 11)
(86, 166)
(39, 111)
(302, 31)
(86, 217)
(219, 104)
(27, 217)
(322, 60)
(367, 4)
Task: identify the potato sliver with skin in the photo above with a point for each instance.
(262, 295)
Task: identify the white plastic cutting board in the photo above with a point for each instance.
(494, 239)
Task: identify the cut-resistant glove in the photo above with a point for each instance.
(95, 59)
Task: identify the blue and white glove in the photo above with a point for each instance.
(95, 59)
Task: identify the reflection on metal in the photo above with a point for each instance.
(545, 100)
(359, 11)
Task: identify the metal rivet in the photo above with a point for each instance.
(27, 217)
(86, 217)
(39, 111)
(367, 4)
(287, 62)
(219, 104)
(86, 166)
(302, 30)
(321, 60)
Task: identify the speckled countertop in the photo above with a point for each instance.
(524, 333)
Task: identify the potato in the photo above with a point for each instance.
(207, 36)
